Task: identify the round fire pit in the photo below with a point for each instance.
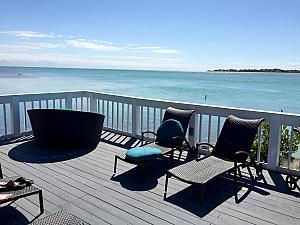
(61, 129)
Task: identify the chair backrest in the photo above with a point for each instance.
(182, 116)
(236, 135)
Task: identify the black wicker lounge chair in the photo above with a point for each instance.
(60, 218)
(178, 142)
(230, 152)
(21, 192)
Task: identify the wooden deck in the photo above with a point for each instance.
(82, 183)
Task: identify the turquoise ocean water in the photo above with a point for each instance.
(265, 91)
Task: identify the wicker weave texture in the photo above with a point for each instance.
(200, 172)
(236, 135)
(60, 218)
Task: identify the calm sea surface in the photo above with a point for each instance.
(266, 91)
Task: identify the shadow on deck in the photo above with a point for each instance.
(81, 181)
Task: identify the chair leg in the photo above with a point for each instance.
(235, 174)
(166, 184)
(258, 168)
(1, 174)
(115, 167)
(249, 171)
(41, 202)
(172, 155)
(239, 170)
(180, 153)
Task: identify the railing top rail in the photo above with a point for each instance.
(41, 93)
(288, 118)
(214, 109)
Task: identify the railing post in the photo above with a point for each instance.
(193, 131)
(68, 101)
(135, 120)
(274, 142)
(15, 116)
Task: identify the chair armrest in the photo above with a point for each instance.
(239, 153)
(146, 132)
(204, 143)
(200, 151)
(178, 138)
(182, 139)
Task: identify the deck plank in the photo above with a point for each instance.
(84, 186)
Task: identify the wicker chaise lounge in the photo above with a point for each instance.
(230, 152)
(179, 142)
(21, 193)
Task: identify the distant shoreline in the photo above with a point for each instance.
(256, 70)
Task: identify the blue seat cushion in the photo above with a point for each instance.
(167, 131)
(143, 153)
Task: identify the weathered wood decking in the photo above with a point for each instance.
(82, 183)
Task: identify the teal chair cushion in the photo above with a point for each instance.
(167, 131)
(142, 153)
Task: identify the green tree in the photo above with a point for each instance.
(284, 146)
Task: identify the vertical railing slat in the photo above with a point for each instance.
(25, 116)
(112, 114)
(154, 119)
(209, 128)
(259, 143)
(118, 115)
(122, 117)
(200, 127)
(160, 115)
(142, 119)
(4, 118)
(290, 148)
(98, 106)
(218, 127)
(148, 119)
(128, 117)
(107, 113)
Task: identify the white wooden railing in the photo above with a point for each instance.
(131, 115)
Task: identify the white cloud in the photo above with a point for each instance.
(73, 60)
(145, 47)
(29, 46)
(29, 34)
(95, 45)
(152, 49)
(294, 63)
(165, 51)
(150, 58)
(83, 43)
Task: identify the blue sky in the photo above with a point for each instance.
(193, 35)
